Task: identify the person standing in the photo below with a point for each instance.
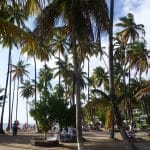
(15, 128)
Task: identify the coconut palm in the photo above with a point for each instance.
(77, 15)
(13, 15)
(27, 91)
(130, 30)
(65, 69)
(45, 76)
(19, 71)
(111, 82)
(129, 33)
(99, 76)
(10, 31)
(138, 57)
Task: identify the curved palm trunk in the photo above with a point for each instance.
(130, 145)
(5, 94)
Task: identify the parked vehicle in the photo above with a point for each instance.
(68, 135)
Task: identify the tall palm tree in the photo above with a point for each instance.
(77, 17)
(19, 71)
(13, 15)
(5, 93)
(27, 91)
(130, 33)
(111, 82)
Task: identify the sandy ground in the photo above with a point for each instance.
(95, 140)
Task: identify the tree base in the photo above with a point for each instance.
(44, 143)
(2, 131)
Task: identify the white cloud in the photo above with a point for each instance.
(141, 10)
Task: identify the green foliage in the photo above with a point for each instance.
(52, 109)
(101, 115)
(95, 108)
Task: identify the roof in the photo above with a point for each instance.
(143, 94)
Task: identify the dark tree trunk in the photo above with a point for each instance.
(10, 79)
(77, 83)
(73, 91)
(5, 94)
(129, 143)
(59, 74)
(129, 101)
(111, 77)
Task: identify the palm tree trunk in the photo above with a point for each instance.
(10, 77)
(17, 100)
(88, 78)
(130, 145)
(59, 74)
(35, 81)
(77, 75)
(5, 94)
(13, 98)
(129, 101)
(35, 90)
(73, 90)
(27, 113)
(111, 77)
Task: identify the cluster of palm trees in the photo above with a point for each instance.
(66, 28)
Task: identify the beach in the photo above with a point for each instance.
(95, 140)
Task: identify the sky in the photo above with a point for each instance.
(141, 11)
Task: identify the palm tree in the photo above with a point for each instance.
(99, 76)
(111, 82)
(130, 29)
(11, 19)
(13, 15)
(13, 32)
(19, 71)
(27, 91)
(45, 76)
(129, 34)
(138, 57)
(77, 17)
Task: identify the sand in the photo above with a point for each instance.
(95, 140)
